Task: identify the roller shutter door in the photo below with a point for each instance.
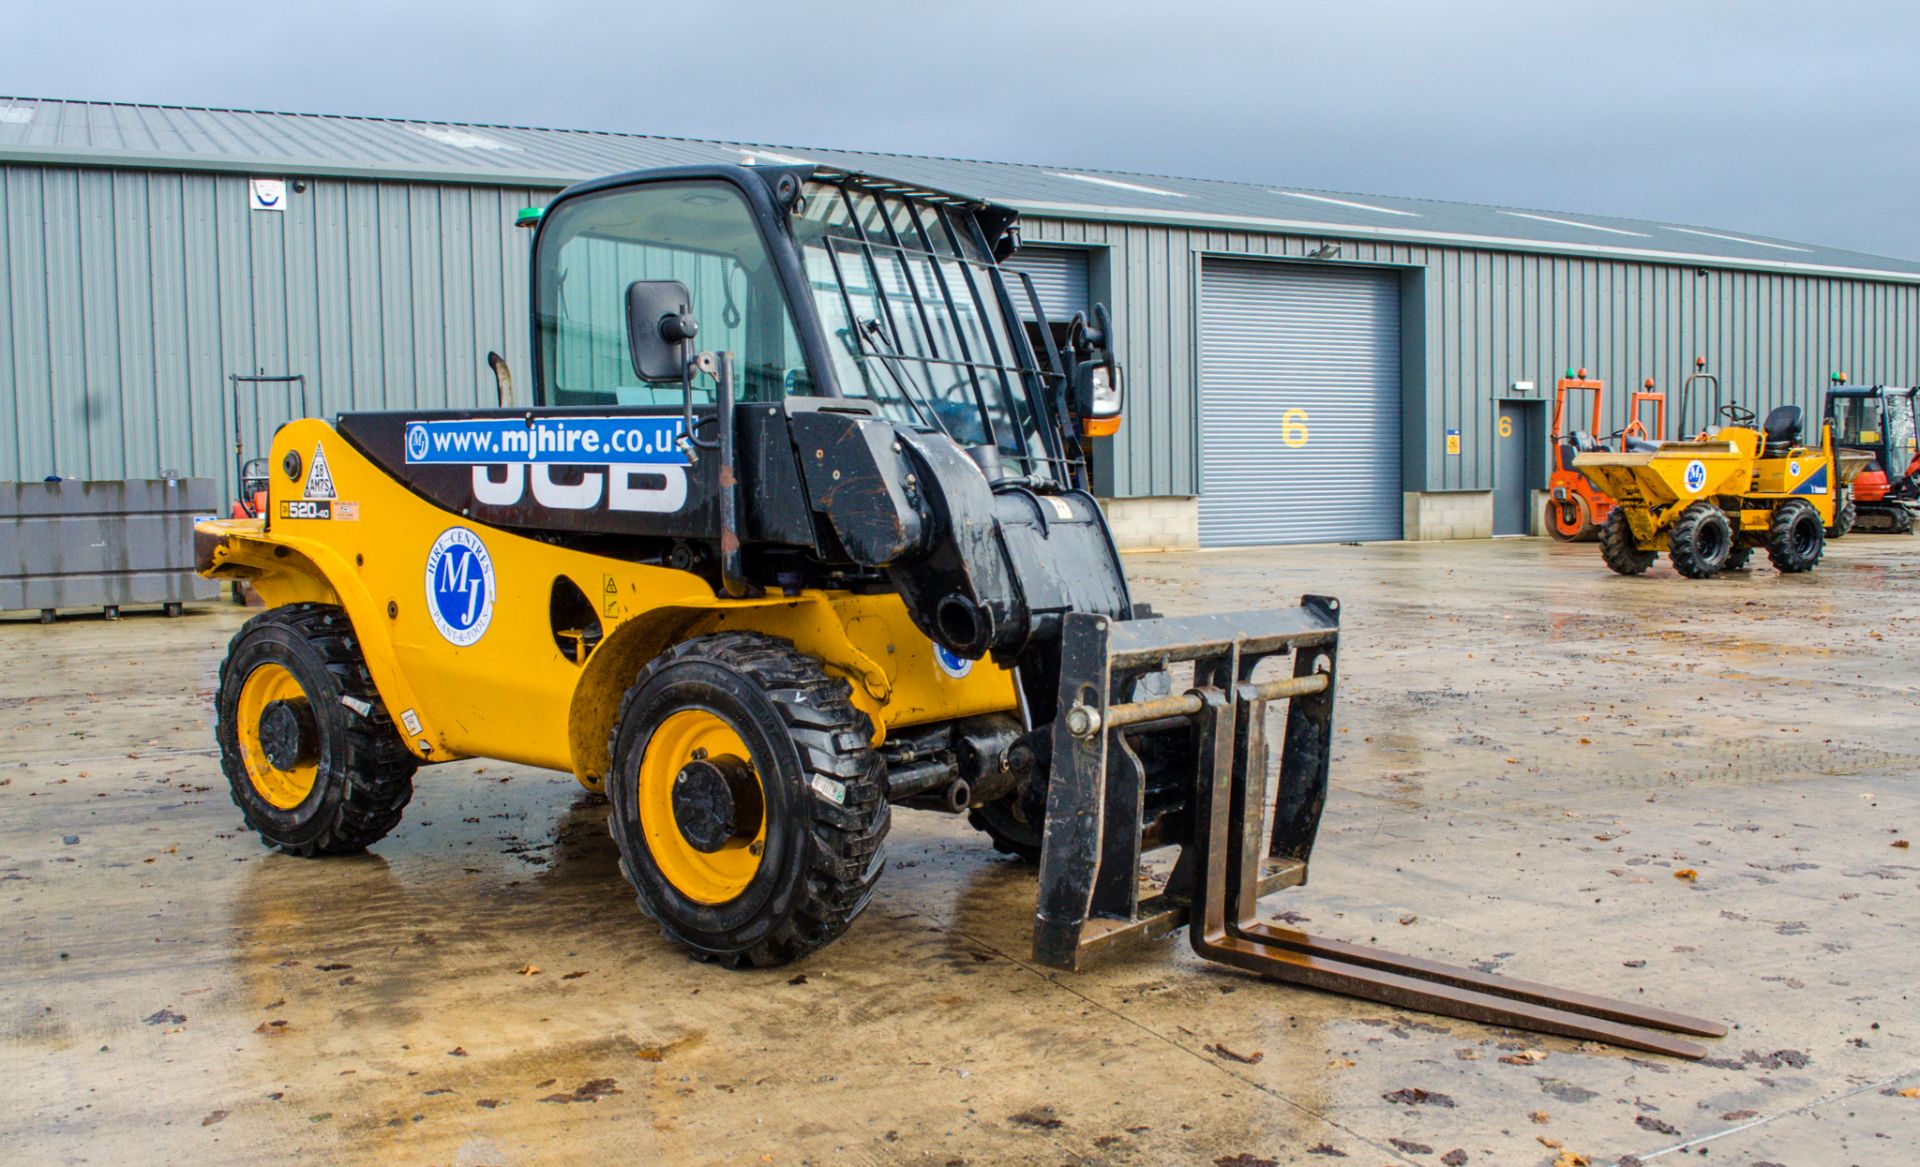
(1059, 278)
(1300, 404)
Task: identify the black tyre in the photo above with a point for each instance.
(747, 802)
(1700, 541)
(314, 761)
(1737, 559)
(1845, 514)
(1005, 823)
(1796, 537)
(1618, 548)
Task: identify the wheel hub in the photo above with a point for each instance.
(286, 733)
(715, 800)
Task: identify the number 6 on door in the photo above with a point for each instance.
(1293, 428)
(1506, 426)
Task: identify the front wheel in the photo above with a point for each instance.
(748, 805)
(315, 764)
(1796, 537)
(1700, 541)
(1618, 547)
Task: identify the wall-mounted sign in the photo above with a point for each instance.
(267, 194)
(1453, 442)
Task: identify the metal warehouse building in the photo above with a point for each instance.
(1303, 366)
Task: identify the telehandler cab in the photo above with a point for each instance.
(797, 527)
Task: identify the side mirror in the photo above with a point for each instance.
(659, 324)
(1097, 391)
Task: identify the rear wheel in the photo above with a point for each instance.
(314, 762)
(1568, 520)
(747, 803)
(1796, 537)
(1845, 514)
(1700, 541)
(1618, 548)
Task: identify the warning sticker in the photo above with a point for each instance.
(319, 475)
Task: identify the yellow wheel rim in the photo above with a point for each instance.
(707, 877)
(284, 789)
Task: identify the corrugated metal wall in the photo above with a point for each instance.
(126, 297)
(1493, 318)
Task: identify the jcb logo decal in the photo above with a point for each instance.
(630, 486)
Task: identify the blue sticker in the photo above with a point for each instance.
(1696, 476)
(555, 441)
(460, 586)
(951, 663)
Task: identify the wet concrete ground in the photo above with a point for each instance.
(1529, 750)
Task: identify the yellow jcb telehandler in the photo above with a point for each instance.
(797, 528)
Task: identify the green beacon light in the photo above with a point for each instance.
(1837, 378)
(529, 217)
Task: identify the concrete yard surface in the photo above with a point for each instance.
(1697, 794)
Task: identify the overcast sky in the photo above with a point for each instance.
(1792, 120)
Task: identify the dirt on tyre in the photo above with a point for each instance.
(313, 760)
(1796, 538)
(1568, 521)
(1700, 541)
(1618, 548)
(748, 804)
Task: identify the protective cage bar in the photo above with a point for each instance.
(1089, 889)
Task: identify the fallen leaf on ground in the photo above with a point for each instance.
(1539, 1117)
(1649, 1123)
(572, 976)
(1686, 873)
(1454, 1158)
(1414, 1096)
(1410, 1147)
(1244, 1160)
(528, 970)
(1909, 1092)
(1571, 1159)
(165, 1017)
(216, 1116)
(1526, 1057)
(1222, 1051)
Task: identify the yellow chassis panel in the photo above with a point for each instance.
(513, 693)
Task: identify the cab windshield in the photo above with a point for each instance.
(1856, 421)
(698, 232)
(910, 303)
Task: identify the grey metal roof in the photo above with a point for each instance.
(250, 141)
